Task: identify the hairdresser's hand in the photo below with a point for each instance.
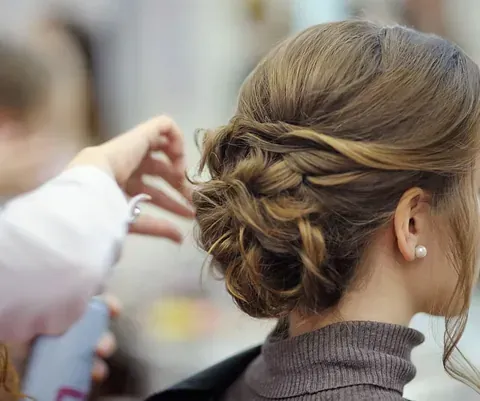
(105, 348)
(107, 344)
(130, 156)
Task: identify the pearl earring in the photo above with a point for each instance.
(420, 251)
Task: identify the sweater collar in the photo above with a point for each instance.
(340, 355)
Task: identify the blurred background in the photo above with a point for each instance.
(113, 63)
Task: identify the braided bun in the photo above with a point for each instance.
(331, 129)
(265, 213)
(257, 229)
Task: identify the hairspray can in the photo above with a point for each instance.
(59, 368)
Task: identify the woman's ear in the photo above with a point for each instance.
(408, 222)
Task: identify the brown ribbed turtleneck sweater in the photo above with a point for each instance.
(354, 361)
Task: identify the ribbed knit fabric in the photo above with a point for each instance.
(353, 361)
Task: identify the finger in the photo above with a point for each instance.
(125, 152)
(113, 303)
(175, 148)
(148, 225)
(154, 132)
(99, 370)
(176, 144)
(179, 164)
(164, 169)
(160, 199)
(159, 132)
(106, 346)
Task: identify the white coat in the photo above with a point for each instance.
(57, 245)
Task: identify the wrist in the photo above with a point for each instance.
(91, 156)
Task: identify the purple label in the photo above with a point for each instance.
(70, 394)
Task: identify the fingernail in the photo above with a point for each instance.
(99, 371)
(161, 141)
(113, 303)
(178, 237)
(106, 346)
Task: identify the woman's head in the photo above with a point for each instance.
(69, 51)
(23, 85)
(83, 43)
(352, 145)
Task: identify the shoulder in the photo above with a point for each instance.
(210, 383)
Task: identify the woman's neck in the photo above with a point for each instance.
(382, 299)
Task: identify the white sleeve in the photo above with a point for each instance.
(57, 245)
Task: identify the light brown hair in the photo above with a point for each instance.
(332, 127)
(23, 80)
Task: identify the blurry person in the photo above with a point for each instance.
(69, 49)
(73, 227)
(68, 53)
(59, 241)
(23, 87)
(426, 15)
(342, 199)
(25, 150)
(267, 22)
(61, 101)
